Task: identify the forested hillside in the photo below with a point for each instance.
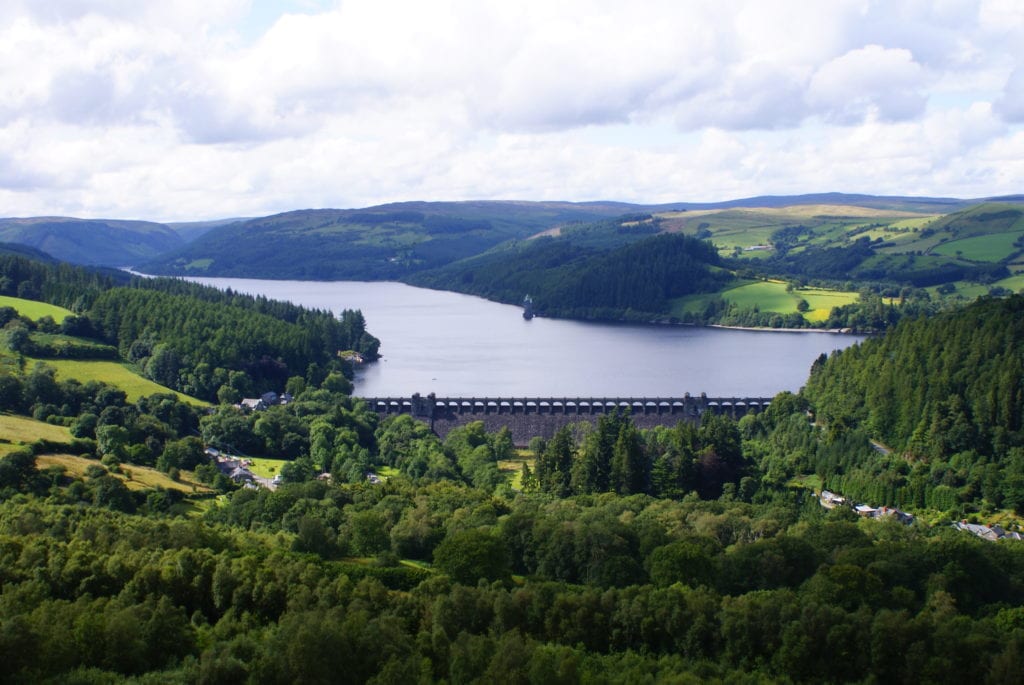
(104, 242)
(382, 553)
(570, 279)
(947, 393)
(376, 243)
(189, 337)
(390, 555)
(304, 583)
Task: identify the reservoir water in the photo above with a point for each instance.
(463, 346)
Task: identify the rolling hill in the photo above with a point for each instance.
(377, 243)
(92, 242)
(843, 241)
(396, 240)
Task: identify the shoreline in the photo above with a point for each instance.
(834, 331)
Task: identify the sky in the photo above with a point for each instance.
(179, 110)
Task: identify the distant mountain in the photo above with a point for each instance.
(190, 230)
(928, 205)
(95, 242)
(394, 241)
(375, 243)
(16, 250)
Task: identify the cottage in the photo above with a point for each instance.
(892, 512)
(831, 500)
(986, 532)
(241, 475)
(253, 404)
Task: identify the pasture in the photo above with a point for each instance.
(771, 296)
(116, 374)
(514, 467)
(35, 310)
(983, 248)
(134, 477)
(22, 430)
(264, 467)
(767, 296)
(822, 301)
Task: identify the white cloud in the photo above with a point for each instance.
(174, 110)
(872, 80)
(1010, 104)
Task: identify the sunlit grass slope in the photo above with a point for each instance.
(35, 310)
(17, 431)
(115, 374)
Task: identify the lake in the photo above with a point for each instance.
(463, 346)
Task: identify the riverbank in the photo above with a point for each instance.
(836, 331)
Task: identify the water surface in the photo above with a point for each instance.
(463, 346)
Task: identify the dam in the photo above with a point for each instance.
(528, 417)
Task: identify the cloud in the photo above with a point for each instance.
(177, 110)
(876, 81)
(1010, 104)
(758, 96)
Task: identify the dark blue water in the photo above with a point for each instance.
(459, 345)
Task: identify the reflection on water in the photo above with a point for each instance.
(463, 346)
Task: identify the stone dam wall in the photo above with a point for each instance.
(528, 417)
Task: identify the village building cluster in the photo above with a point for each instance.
(264, 401)
(987, 532)
(831, 500)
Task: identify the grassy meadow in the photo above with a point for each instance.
(22, 429)
(266, 468)
(771, 296)
(514, 467)
(982, 248)
(115, 374)
(134, 477)
(35, 310)
(18, 431)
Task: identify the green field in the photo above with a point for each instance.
(515, 468)
(771, 296)
(24, 429)
(198, 265)
(823, 225)
(35, 310)
(266, 468)
(134, 477)
(822, 301)
(970, 291)
(115, 374)
(982, 248)
(768, 296)
(16, 431)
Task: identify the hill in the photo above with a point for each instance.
(841, 242)
(946, 394)
(864, 243)
(575, 279)
(376, 243)
(16, 250)
(184, 336)
(395, 240)
(190, 230)
(97, 242)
